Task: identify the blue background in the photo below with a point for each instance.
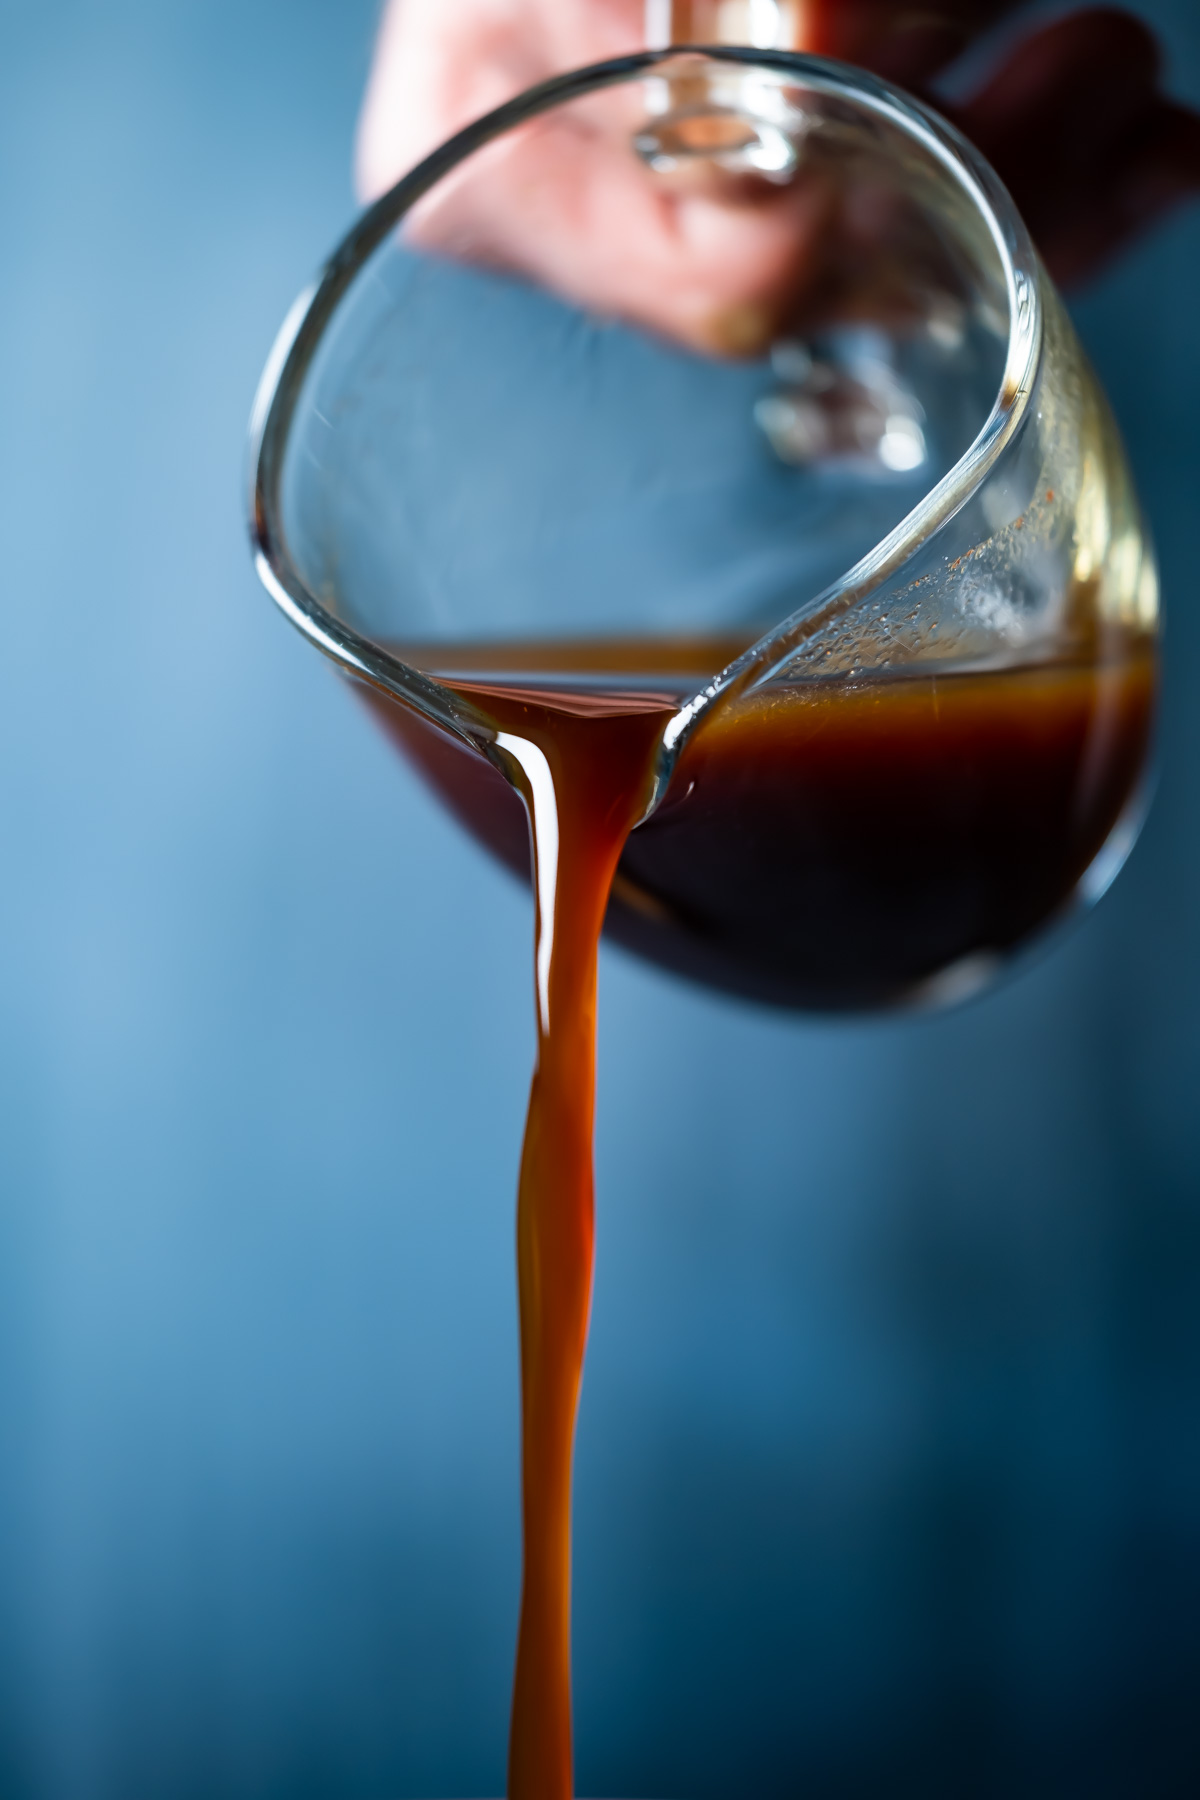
(889, 1462)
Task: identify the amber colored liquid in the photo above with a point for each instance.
(585, 777)
(844, 847)
(838, 844)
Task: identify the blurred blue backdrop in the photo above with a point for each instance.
(889, 1466)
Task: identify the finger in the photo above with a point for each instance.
(557, 205)
(1091, 151)
(1082, 82)
(437, 66)
(907, 41)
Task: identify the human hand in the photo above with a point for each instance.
(1071, 117)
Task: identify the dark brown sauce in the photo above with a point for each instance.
(838, 844)
(585, 774)
(841, 846)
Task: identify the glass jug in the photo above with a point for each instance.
(728, 381)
